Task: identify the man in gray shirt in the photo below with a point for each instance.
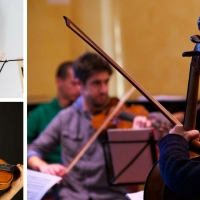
(72, 129)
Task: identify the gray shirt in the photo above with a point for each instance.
(87, 179)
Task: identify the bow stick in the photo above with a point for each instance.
(81, 34)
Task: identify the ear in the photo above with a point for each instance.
(58, 81)
(79, 83)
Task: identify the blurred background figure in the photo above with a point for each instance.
(67, 91)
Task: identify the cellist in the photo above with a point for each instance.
(181, 173)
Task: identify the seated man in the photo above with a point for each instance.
(67, 92)
(72, 127)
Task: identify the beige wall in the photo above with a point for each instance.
(146, 38)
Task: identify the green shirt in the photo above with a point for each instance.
(37, 121)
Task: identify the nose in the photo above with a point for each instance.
(104, 88)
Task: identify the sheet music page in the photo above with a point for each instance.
(135, 195)
(39, 183)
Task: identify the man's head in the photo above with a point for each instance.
(93, 73)
(68, 89)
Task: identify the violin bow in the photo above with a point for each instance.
(82, 35)
(102, 127)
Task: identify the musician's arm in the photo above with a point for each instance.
(43, 145)
(36, 163)
(177, 169)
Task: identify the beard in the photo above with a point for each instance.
(97, 102)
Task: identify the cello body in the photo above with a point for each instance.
(155, 187)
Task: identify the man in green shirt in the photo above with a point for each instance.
(67, 91)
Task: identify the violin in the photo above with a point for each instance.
(123, 118)
(7, 174)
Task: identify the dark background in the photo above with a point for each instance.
(11, 135)
(171, 106)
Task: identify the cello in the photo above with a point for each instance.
(188, 121)
(155, 187)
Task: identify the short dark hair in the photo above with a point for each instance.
(62, 71)
(88, 64)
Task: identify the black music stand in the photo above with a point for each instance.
(130, 154)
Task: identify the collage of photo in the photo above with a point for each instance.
(99, 100)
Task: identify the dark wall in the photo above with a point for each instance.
(171, 106)
(11, 135)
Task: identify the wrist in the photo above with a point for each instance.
(42, 166)
(36, 163)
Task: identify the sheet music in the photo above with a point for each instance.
(39, 183)
(135, 195)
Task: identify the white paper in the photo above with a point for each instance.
(39, 183)
(135, 195)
